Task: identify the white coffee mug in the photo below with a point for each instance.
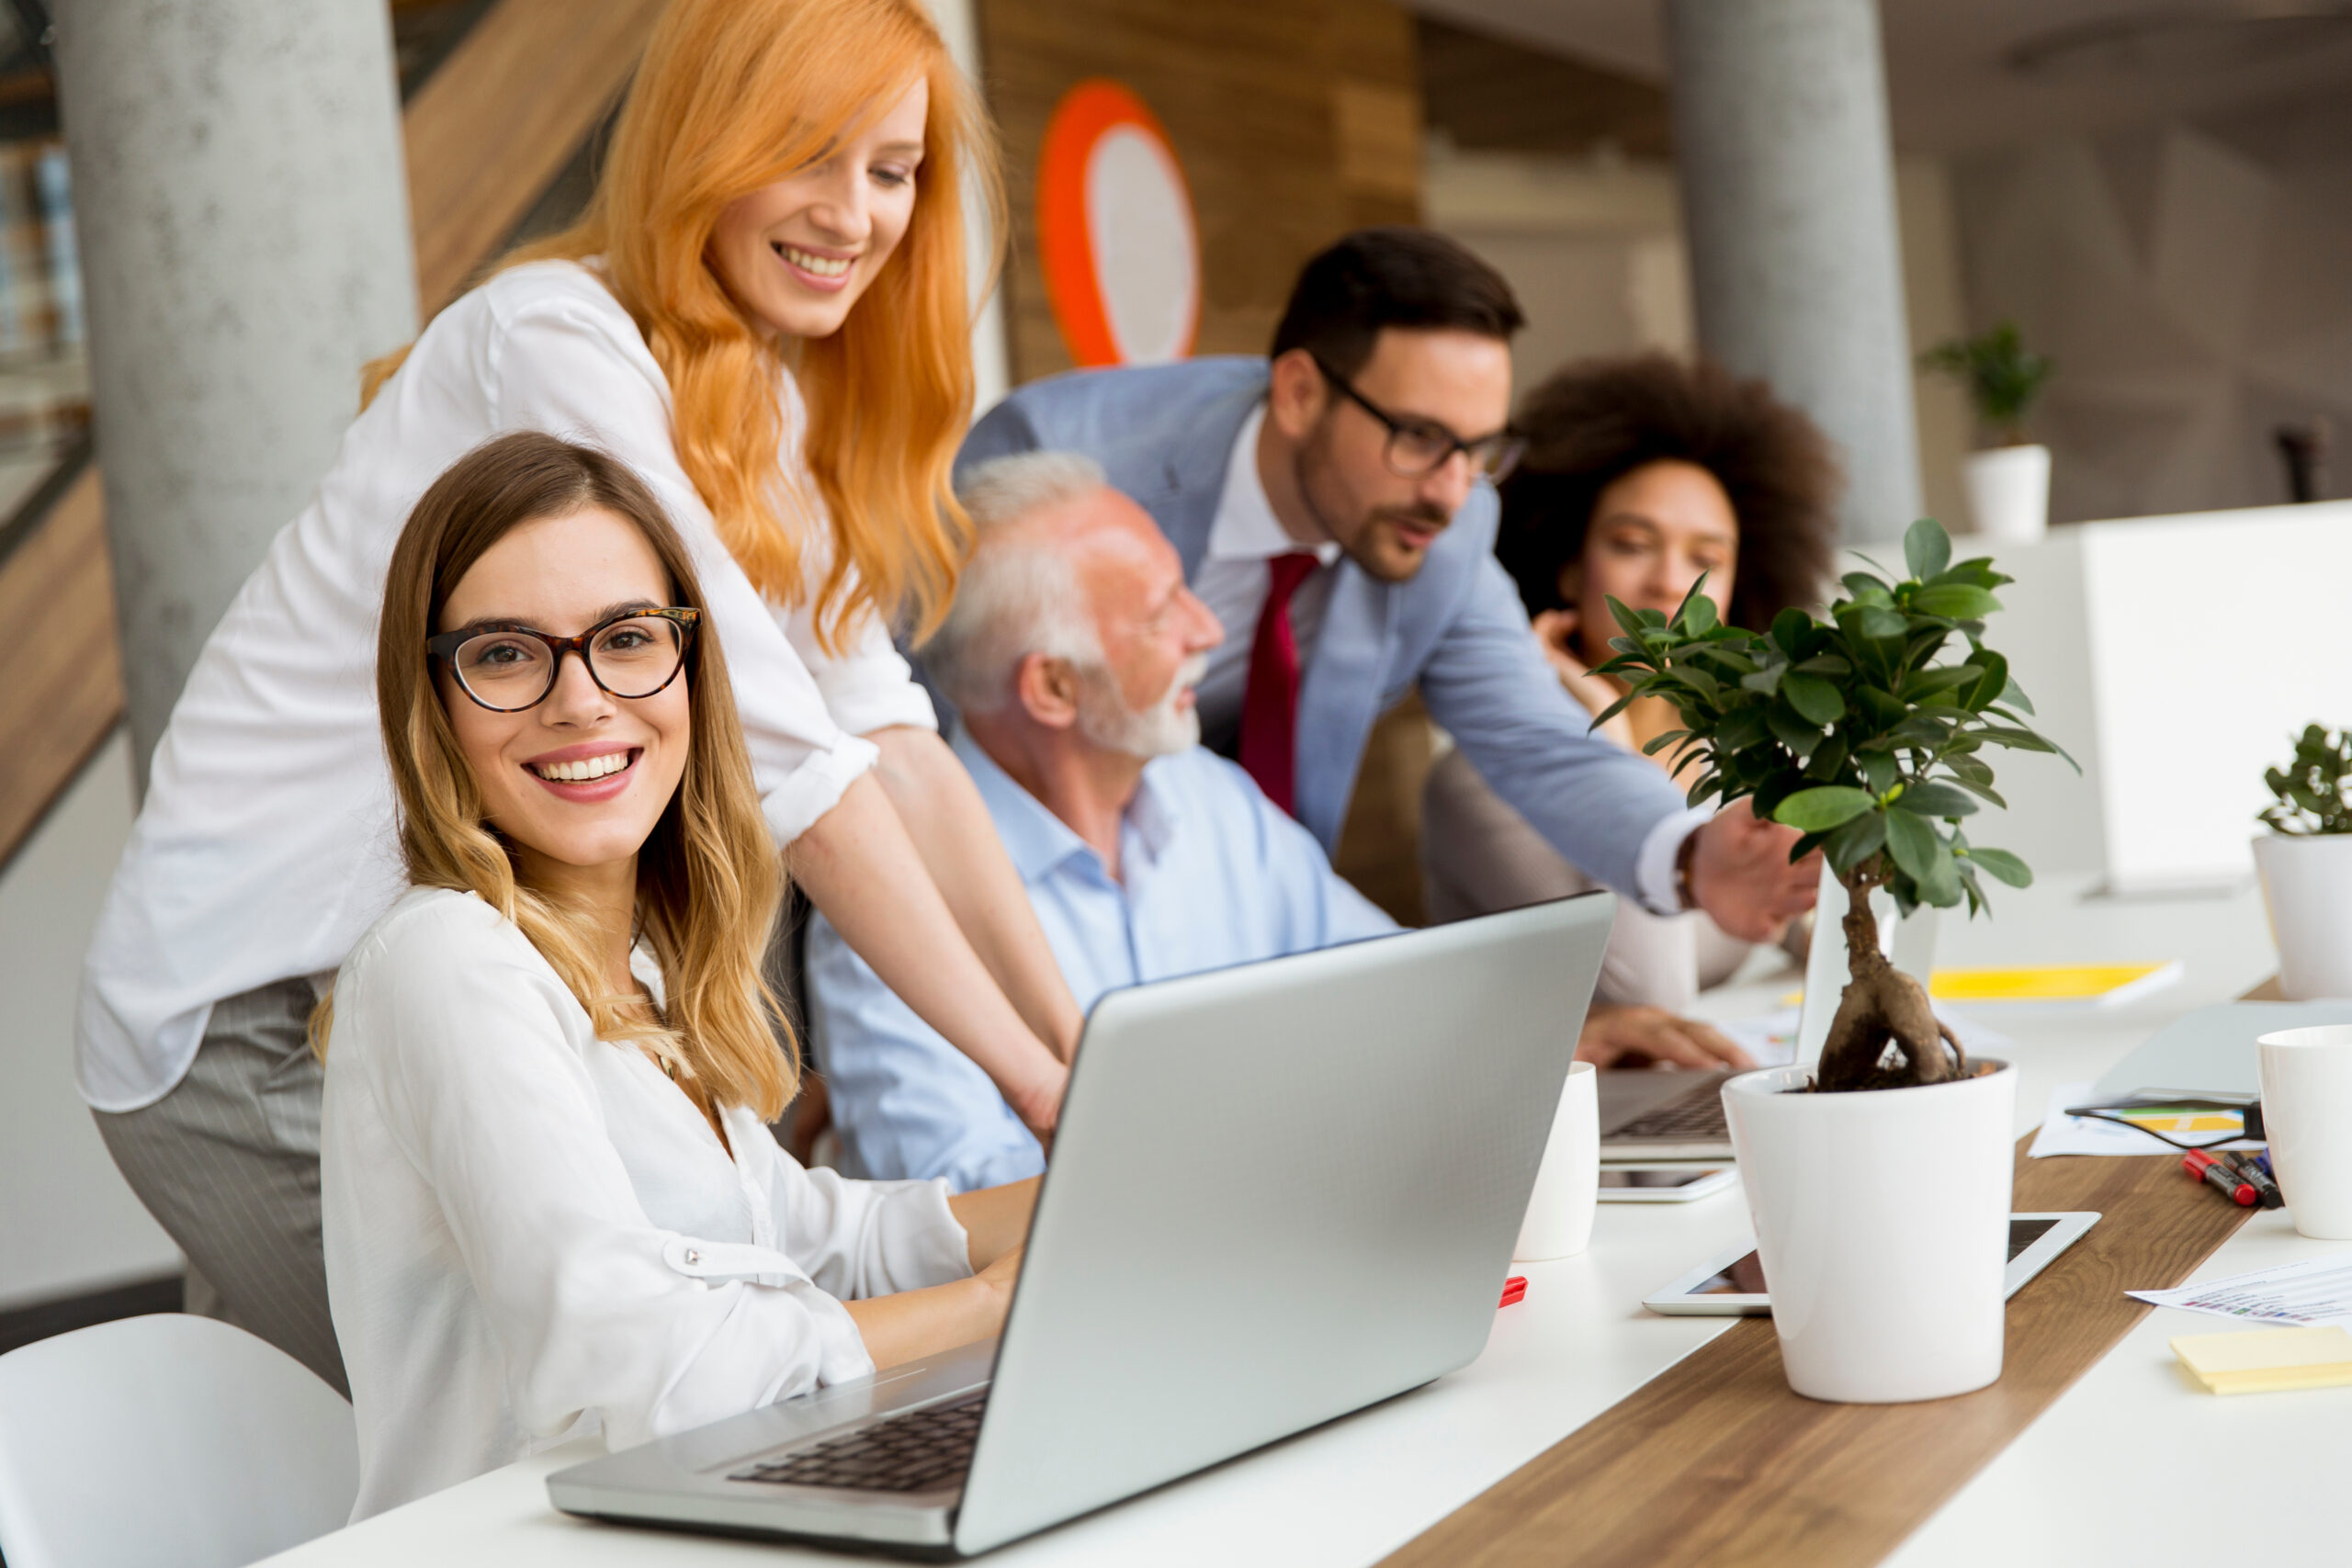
(1567, 1185)
(2307, 1116)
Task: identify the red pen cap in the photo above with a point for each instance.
(2197, 1162)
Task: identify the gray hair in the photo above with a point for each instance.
(1018, 594)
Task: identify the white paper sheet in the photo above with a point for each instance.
(2314, 1293)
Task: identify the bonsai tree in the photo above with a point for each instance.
(1857, 732)
(2003, 376)
(2312, 789)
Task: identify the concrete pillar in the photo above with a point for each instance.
(1788, 193)
(242, 210)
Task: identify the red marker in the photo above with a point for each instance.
(1513, 1289)
(2221, 1178)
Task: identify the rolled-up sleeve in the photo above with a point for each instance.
(598, 1310)
(860, 1239)
(866, 683)
(559, 365)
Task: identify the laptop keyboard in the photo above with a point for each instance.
(1687, 1117)
(915, 1452)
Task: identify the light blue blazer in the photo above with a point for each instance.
(1164, 433)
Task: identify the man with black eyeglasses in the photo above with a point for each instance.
(1334, 505)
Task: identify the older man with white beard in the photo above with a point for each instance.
(1072, 649)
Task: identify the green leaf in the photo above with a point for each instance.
(1912, 842)
(1766, 680)
(1940, 886)
(1989, 687)
(1864, 589)
(2004, 865)
(1881, 624)
(1792, 731)
(1789, 628)
(1825, 664)
(1665, 741)
(1856, 841)
(1612, 710)
(1976, 787)
(1742, 727)
(1819, 810)
(2016, 740)
(1954, 601)
(1926, 548)
(2013, 695)
(1813, 697)
(1925, 684)
(1697, 615)
(1936, 799)
(1879, 771)
(1828, 760)
(1632, 624)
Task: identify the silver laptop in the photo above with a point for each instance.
(1651, 1115)
(1280, 1192)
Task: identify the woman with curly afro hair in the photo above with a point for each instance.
(1642, 474)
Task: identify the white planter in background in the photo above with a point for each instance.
(2307, 887)
(1567, 1186)
(1882, 1223)
(2008, 492)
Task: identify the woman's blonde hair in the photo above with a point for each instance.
(709, 878)
(735, 94)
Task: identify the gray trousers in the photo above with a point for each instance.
(228, 1163)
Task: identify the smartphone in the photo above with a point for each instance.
(1662, 1183)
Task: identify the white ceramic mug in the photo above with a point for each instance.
(1567, 1184)
(2307, 1115)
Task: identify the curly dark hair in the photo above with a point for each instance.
(1597, 421)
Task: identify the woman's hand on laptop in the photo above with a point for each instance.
(912, 1324)
(1646, 1036)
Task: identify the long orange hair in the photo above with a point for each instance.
(734, 95)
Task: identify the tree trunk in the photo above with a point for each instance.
(1881, 1007)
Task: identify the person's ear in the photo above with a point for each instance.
(1571, 582)
(1047, 689)
(1296, 393)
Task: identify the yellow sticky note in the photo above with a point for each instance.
(2268, 1360)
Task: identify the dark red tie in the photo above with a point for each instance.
(1269, 703)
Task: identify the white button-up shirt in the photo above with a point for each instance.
(266, 846)
(1232, 580)
(533, 1235)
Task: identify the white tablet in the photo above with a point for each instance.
(1732, 1284)
(1663, 1184)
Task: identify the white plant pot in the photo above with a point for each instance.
(1882, 1223)
(2307, 887)
(2008, 492)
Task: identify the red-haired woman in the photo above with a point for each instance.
(766, 313)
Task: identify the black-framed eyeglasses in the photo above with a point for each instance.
(1419, 447)
(508, 669)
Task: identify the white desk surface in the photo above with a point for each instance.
(2097, 1479)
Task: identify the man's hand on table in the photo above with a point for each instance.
(1645, 1036)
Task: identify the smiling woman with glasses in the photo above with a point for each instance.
(552, 1206)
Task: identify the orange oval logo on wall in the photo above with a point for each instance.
(1121, 252)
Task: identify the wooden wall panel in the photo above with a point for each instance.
(63, 692)
(1296, 122)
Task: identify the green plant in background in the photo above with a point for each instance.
(2314, 790)
(2003, 376)
(1851, 732)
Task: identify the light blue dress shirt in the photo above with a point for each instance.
(1214, 875)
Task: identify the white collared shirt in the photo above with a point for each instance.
(1232, 580)
(533, 1235)
(265, 845)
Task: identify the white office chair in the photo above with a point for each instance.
(167, 1440)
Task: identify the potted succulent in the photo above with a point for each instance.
(2306, 865)
(2009, 487)
(1880, 1182)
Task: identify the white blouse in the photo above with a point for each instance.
(266, 846)
(533, 1235)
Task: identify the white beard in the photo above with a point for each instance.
(1160, 730)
